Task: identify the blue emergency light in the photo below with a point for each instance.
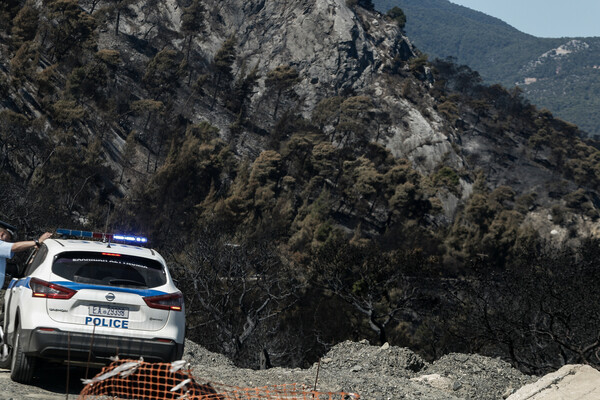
(103, 236)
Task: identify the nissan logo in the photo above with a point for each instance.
(110, 296)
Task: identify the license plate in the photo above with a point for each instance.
(109, 311)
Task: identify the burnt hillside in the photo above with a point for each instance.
(297, 163)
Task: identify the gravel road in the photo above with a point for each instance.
(374, 372)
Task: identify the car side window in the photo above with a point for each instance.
(38, 259)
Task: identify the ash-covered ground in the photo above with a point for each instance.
(373, 372)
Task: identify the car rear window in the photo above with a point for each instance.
(109, 269)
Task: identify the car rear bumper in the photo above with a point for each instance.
(59, 345)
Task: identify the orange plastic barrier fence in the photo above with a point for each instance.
(130, 379)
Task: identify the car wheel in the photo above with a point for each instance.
(5, 360)
(22, 365)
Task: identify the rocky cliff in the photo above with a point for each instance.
(340, 51)
(335, 50)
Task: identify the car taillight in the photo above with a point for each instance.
(49, 290)
(173, 301)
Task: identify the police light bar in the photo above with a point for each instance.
(103, 236)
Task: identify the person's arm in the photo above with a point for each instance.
(27, 244)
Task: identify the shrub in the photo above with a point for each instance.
(398, 16)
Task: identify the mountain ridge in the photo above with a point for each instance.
(500, 52)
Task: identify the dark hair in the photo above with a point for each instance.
(10, 232)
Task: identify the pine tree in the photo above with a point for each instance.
(25, 25)
(163, 73)
(192, 23)
(281, 80)
(69, 27)
(223, 67)
(397, 15)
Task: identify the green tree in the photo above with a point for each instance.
(255, 194)
(111, 59)
(417, 65)
(327, 112)
(66, 112)
(366, 4)
(447, 177)
(25, 25)
(239, 102)
(162, 73)
(8, 11)
(396, 14)
(70, 29)
(151, 110)
(361, 183)
(356, 115)
(173, 198)
(406, 193)
(192, 23)
(222, 67)
(24, 62)
(281, 80)
(243, 91)
(115, 9)
(312, 225)
(347, 121)
(88, 81)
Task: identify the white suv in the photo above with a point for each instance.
(84, 301)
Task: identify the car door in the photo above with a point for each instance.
(18, 290)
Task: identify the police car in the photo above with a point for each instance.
(82, 301)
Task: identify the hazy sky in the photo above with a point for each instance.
(543, 18)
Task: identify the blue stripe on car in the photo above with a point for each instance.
(20, 282)
(79, 286)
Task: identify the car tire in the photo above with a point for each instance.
(22, 365)
(179, 352)
(5, 354)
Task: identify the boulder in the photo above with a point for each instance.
(573, 382)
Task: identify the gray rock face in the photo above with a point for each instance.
(324, 40)
(574, 382)
(336, 50)
(343, 51)
(418, 138)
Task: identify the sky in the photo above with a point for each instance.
(543, 18)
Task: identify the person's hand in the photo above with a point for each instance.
(44, 237)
